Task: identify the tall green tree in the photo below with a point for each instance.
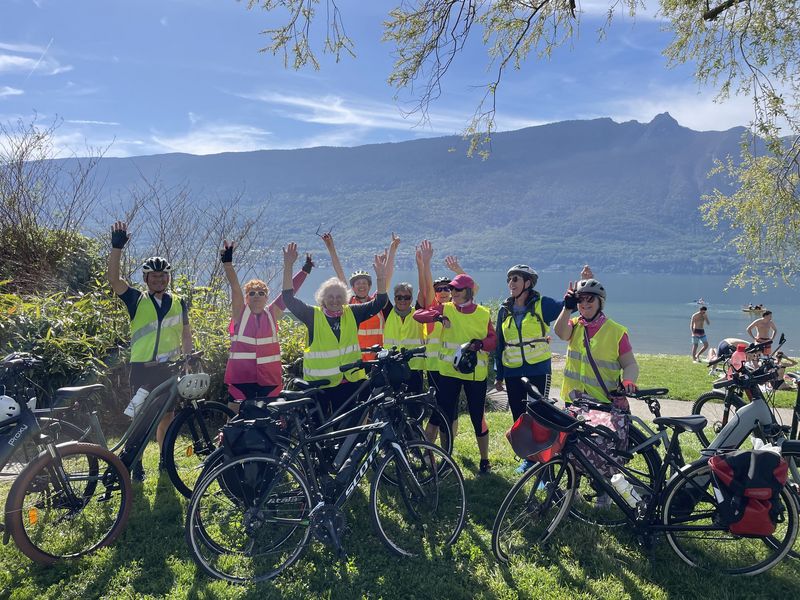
(739, 47)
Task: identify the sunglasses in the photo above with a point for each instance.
(514, 278)
(439, 290)
(455, 289)
(401, 298)
(253, 293)
(587, 298)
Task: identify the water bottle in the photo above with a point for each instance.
(739, 357)
(625, 489)
(136, 402)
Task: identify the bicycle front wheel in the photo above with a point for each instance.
(249, 520)
(417, 501)
(712, 406)
(533, 508)
(695, 533)
(69, 505)
(190, 439)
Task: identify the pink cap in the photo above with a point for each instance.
(462, 281)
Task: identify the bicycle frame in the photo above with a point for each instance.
(22, 427)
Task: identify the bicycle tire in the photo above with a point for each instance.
(645, 465)
(712, 406)
(690, 499)
(189, 440)
(425, 509)
(533, 508)
(47, 525)
(273, 496)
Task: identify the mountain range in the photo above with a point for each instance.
(623, 197)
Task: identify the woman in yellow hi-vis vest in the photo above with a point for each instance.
(467, 338)
(607, 341)
(332, 338)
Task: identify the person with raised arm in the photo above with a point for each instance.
(332, 325)
(254, 362)
(160, 328)
(370, 332)
(467, 336)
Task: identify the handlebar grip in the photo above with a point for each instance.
(359, 364)
(418, 351)
(640, 393)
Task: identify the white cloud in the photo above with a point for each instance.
(213, 138)
(90, 122)
(15, 60)
(10, 91)
(693, 109)
(22, 48)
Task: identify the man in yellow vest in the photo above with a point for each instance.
(608, 346)
(159, 324)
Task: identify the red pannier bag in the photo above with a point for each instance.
(539, 434)
(750, 482)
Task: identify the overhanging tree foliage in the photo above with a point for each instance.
(740, 47)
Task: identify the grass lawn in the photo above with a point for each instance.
(151, 558)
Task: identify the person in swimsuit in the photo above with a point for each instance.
(697, 325)
(763, 330)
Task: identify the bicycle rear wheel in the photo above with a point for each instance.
(422, 506)
(704, 543)
(712, 406)
(190, 439)
(69, 505)
(533, 508)
(249, 520)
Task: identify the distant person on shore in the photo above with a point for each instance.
(763, 330)
(254, 362)
(697, 325)
(370, 332)
(523, 339)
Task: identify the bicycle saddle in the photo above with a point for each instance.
(76, 394)
(693, 423)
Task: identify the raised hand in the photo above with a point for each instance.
(427, 251)
(451, 262)
(395, 241)
(309, 264)
(226, 254)
(381, 264)
(290, 254)
(119, 235)
(328, 239)
(571, 297)
(418, 256)
(587, 273)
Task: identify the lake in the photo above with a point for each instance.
(655, 308)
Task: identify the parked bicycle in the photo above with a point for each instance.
(251, 518)
(682, 507)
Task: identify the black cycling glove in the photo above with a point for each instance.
(571, 300)
(309, 264)
(226, 254)
(119, 237)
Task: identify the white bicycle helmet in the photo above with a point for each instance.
(156, 264)
(193, 385)
(8, 408)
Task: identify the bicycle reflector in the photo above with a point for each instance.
(193, 385)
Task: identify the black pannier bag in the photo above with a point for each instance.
(749, 482)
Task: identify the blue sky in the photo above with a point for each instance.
(156, 76)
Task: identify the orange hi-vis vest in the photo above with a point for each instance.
(370, 332)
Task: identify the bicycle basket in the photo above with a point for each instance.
(193, 385)
(536, 438)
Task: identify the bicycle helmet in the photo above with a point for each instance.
(193, 385)
(156, 264)
(594, 287)
(441, 281)
(359, 275)
(465, 360)
(8, 408)
(525, 272)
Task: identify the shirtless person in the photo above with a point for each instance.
(765, 330)
(697, 325)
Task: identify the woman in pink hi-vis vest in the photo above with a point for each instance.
(254, 362)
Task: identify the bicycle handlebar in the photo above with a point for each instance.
(384, 355)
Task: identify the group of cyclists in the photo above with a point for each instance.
(348, 319)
